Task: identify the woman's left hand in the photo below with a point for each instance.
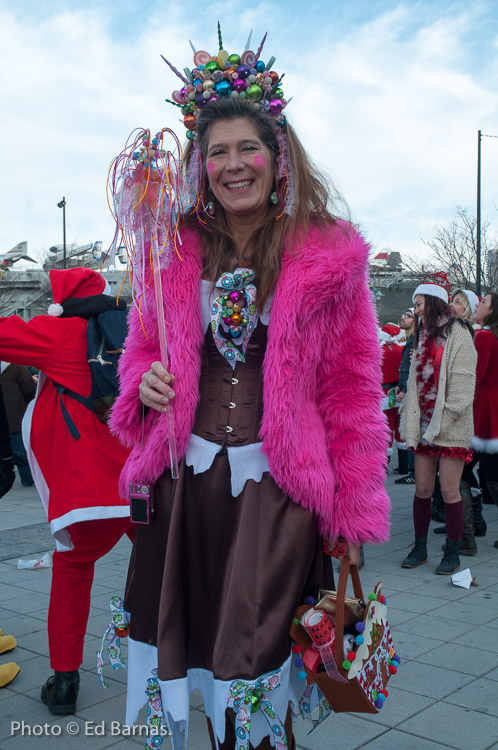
(352, 551)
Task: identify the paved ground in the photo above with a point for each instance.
(444, 696)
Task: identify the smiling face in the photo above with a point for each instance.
(419, 305)
(240, 169)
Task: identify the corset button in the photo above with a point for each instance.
(229, 429)
(234, 381)
(232, 405)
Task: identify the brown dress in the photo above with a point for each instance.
(215, 580)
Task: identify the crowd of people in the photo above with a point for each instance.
(447, 421)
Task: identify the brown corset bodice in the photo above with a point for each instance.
(231, 401)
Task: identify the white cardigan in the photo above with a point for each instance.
(452, 423)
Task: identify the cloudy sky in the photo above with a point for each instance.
(387, 98)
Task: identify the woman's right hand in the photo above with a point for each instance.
(155, 388)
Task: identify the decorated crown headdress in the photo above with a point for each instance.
(243, 76)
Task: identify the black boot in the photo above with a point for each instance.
(402, 462)
(468, 544)
(438, 503)
(418, 555)
(61, 691)
(480, 525)
(451, 561)
(440, 529)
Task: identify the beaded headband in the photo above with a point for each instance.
(227, 75)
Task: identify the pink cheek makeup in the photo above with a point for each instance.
(210, 166)
(259, 161)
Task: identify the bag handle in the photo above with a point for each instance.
(345, 570)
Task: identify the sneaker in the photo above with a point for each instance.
(410, 479)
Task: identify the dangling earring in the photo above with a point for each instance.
(274, 198)
(210, 209)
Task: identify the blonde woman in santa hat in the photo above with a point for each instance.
(485, 440)
(77, 479)
(464, 302)
(437, 416)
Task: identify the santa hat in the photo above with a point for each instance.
(434, 285)
(74, 283)
(390, 333)
(472, 299)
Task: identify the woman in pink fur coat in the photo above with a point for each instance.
(276, 399)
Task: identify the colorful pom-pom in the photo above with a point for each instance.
(381, 697)
(346, 664)
(372, 597)
(351, 656)
(297, 649)
(295, 621)
(360, 627)
(396, 658)
(384, 692)
(359, 640)
(392, 669)
(310, 600)
(302, 675)
(382, 599)
(379, 703)
(374, 694)
(299, 663)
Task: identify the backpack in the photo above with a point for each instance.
(105, 334)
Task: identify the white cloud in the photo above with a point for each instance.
(389, 105)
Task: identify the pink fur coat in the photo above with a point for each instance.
(323, 431)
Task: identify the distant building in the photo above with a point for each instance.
(27, 292)
(392, 285)
(387, 262)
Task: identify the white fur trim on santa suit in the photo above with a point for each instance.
(432, 290)
(58, 526)
(484, 445)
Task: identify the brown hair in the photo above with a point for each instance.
(434, 307)
(491, 320)
(312, 199)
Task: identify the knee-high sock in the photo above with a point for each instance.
(421, 515)
(454, 519)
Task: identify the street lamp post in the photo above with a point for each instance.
(62, 204)
(478, 227)
(480, 136)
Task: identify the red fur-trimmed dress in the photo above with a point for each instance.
(486, 396)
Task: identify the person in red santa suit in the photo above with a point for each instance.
(485, 440)
(392, 341)
(77, 479)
